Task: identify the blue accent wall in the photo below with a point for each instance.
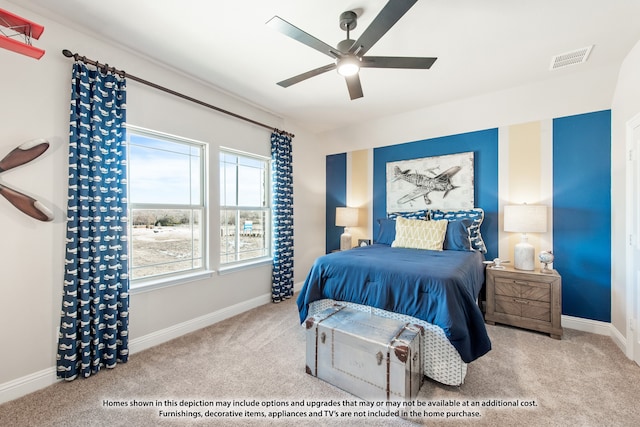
(581, 200)
(582, 213)
(336, 185)
(484, 145)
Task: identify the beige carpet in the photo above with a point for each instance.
(258, 358)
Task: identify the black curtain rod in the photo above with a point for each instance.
(106, 67)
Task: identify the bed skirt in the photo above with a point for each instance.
(441, 361)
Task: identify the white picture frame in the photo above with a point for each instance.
(440, 182)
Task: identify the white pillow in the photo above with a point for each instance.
(419, 234)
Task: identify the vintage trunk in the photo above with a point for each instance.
(372, 357)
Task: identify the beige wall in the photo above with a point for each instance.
(359, 188)
(526, 159)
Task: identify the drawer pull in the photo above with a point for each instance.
(520, 282)
(521, 301)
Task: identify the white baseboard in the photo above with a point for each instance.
(619, 340)
(596, 327)
(586, 325)
(28, 384)
(175, 331)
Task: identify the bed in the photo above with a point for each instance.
(436, 288)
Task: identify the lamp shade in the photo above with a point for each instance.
(346, 217)
(525, 218)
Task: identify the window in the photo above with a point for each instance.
(245, 211)
(166, 205)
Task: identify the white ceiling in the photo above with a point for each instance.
(482, 46)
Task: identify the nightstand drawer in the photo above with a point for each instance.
(523, 308)
(526, 289)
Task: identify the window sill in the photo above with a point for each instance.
(164, 282)
(239, 266)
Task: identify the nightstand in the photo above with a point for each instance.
(526, 299)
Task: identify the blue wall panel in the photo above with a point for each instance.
(582, 213)
(484, 144)
(336, 181)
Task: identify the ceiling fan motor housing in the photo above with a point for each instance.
(348, 20)
(345, 45)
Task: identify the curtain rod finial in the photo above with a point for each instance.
(67, 53)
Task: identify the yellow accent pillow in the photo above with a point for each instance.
(419, 234)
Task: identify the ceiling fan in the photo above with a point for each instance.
(348, 55)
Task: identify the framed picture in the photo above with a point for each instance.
(440, 182)
(364, 242)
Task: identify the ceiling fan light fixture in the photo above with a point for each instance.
(349, 56)
(348, 66)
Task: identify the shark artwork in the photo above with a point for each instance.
(442, 182)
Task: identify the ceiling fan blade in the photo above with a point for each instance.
(307, 75)
(354, 86)
(296, 33)
(397, 62)
(388, 16)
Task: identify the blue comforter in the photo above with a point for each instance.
(439, 287)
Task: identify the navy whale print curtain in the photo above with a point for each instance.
(282, 189)
(95, 302)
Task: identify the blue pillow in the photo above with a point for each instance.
(387, 233)
(457, 237)
(476, 215)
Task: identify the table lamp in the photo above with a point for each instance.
(525, 219)
(346, 217)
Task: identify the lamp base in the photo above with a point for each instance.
(345, 241)
(524, 256)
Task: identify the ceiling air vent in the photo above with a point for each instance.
(577, 56)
